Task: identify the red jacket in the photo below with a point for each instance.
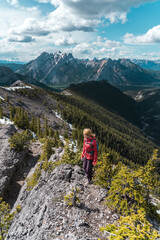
(91, 148)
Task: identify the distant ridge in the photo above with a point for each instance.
(109, 97)
(8, 77)
(62, 69)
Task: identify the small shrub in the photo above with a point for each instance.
(18, 208)
(5, 218)
(71, 157)
(104, 171)
(34, 178)
(133, 227)
(72, 199)
(20, 140)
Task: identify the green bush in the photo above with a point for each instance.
(20, 140)
(34, 178)
(72, 198)
(5, 218)
(105, 170)
(71, 157)
(133, 227)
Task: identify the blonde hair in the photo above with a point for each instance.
(88, 132)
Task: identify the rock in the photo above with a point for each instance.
(45, 215)
(9, 159)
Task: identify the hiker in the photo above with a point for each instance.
(89, 153)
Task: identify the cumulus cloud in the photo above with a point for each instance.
(152, 36)
(101, 48)
(21, 39)
(106, 43)
(13, 2)
(71, 15)
(65, 41)
(30, 27)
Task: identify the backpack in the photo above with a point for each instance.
(90, 144)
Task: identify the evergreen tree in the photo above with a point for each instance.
(20, 140)
(51, 132)
(12, 112)
(39, 133)
(134, 226)
(1, 112)
(5, 218)
(21, 118)
(46, 130)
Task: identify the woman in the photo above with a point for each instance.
(89, 153)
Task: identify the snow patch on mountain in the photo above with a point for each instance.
(16, 88)
(6, 121)
(1, 98)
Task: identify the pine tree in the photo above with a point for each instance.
(5, 218)
(105, 170)
(51, 132)
(134, 226)
(39, 133)
(12, 112)
(46, 130)
(1, 112)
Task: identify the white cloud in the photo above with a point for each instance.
(31, 27)
(21, 39)
(106, 43)
(65, 41)
(13, 2)
(85, 15)
(101, 48)
(152, 36)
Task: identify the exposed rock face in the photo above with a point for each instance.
(148, 64)
(62, 68)
(45, 215)
(9, 159)
(8, 77)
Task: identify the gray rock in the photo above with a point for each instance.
(9, 159)
(45, 215)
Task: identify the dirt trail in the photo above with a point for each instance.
(35, 150)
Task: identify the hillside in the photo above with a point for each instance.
(13, 66)
(148, 64)
(61, 69)
(8, 77)
(110, 98)
(42, 177)
(149, 102)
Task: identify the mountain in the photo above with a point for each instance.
(14, 65)
(41, 175)
(150, 104)
(8, 77)
(63, 69)
(109, 97)
(148, 64)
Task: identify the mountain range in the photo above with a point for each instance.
(148, 64)
(62, 69)
(8, 77)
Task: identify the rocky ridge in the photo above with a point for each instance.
(9, 159)
(63, 69)
(45, 215)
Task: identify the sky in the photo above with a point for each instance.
(86, 28)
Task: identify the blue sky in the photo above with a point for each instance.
(87, 28)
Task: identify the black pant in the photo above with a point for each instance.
(88, 166)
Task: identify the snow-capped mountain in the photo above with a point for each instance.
(63, 69)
